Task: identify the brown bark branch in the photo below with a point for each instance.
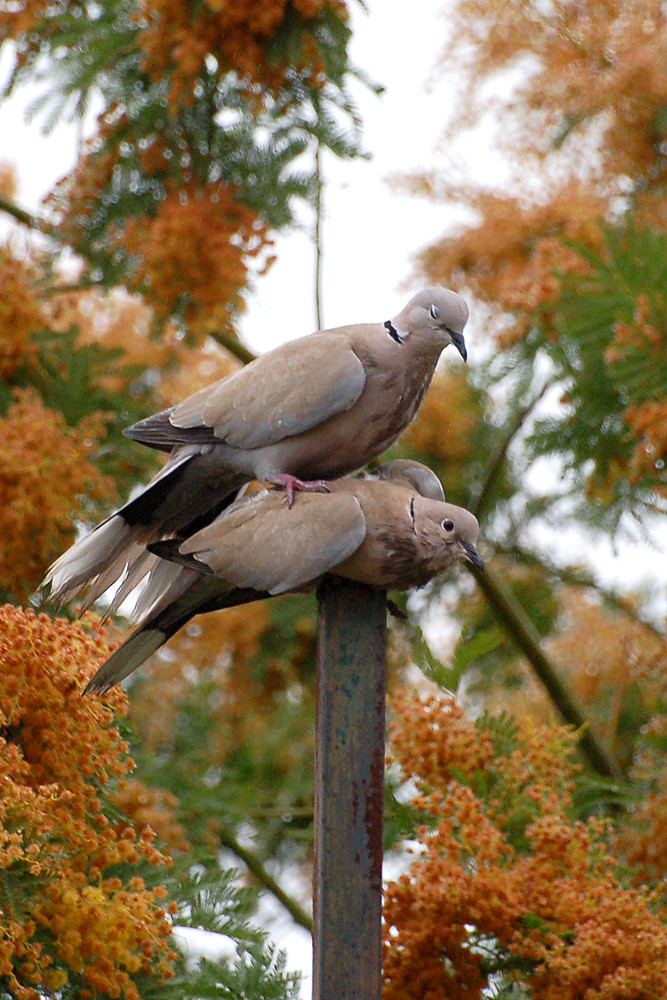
(234, 346)
(25, 218)
(498, 457)
(521, 630)
(257, 868)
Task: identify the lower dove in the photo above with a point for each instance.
(389, 530)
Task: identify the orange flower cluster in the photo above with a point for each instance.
(505, 880)
(20, 314)
(176, 38)
(600, 63)
(194, 255)
(603, 654)
(123, 321)
(194, 251)
(648, 423)
(516, 255)
(583, 127)
(176, 41)
(45, 471)
(63, 920)
(151, 808)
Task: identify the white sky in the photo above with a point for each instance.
(370, 235)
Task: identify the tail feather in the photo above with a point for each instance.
(191, 489)
(90, 560)
(119, 569)
(158, 590)
(137, 570)
(134, 651)
(190, 593)
(157, 431)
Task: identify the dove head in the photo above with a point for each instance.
(446, 533)
(414, 475)
(435, 317)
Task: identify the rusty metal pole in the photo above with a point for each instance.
(349, 791)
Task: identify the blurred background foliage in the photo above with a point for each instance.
(543, 847)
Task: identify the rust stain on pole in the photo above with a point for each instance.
(349, 791)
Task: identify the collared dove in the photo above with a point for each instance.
(319, 407)
(378, 529)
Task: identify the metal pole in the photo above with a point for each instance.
(349, 791)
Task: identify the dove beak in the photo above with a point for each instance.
(459, 343)
(473, 555)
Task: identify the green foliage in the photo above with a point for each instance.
(213, 899)
(249, 137)
(256, 974)
(605, 370)
(484, 655)
(263, 782)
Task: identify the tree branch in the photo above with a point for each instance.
(521, 630)
(234, 346)
(25, 218)
(577, 577)
(497, 459)
(256, 867)
(319, 209)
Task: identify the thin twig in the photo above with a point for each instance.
(498, 456)
(25, 218)
(234, 346)
(256, 867)
(318, 236)
(577, 577)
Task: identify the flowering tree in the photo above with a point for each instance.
(511, 892)
(532, 877)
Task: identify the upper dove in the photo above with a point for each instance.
(390, 530)
(312, 410)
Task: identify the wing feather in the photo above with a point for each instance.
(260, 542)
(288, 391)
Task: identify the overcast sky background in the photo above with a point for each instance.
(370, 237)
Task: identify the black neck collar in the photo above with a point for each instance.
(393, 332)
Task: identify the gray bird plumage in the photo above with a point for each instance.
(379, 530)
(419, 476)
(310, 410)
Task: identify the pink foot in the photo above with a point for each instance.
(293, 485)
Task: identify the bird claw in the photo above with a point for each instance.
(293, 485)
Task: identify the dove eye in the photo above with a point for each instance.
(434, 312)
(447, 525)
